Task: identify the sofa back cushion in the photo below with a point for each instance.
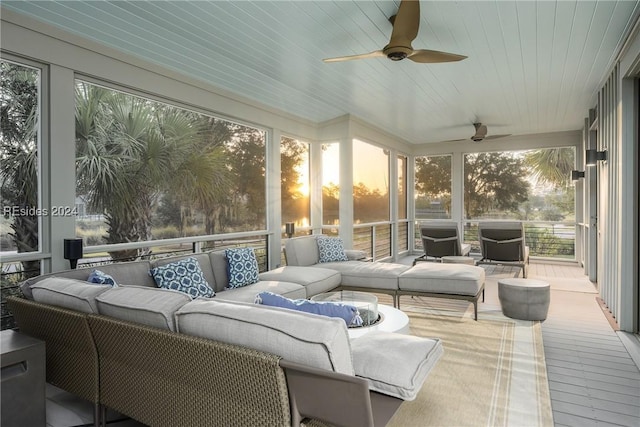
(301, 251)
(129, 273)
(309, 339)
(126, 273)
(68, 293)
(218, 262)
(140, 304)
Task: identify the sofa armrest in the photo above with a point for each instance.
(334, 398)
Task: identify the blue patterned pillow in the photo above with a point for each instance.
(331, 249)
(184, 276)
(242, 267)
(101, 278)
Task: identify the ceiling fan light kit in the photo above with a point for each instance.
(405, 29)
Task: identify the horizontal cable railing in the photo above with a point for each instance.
(545, 239)
(16, 271)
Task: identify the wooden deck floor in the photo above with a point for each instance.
(592, 378)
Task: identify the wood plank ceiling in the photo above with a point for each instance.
(532, 67)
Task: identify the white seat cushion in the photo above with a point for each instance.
(314, 280)
(440, 278)
(376, 275)
(141, 304)
(312, 340)
(248, 293)
(395, 364)
(68, 293)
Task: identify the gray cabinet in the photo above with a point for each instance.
(22, 376)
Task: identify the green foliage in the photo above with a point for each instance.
(19, 114)
(551, 165)
(494, 182)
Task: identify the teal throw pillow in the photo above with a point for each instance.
(331, 249)
(242, 267)
(185, 276)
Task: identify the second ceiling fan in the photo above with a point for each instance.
(405, 29)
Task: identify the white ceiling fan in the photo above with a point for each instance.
(405, 29)
(480, 134)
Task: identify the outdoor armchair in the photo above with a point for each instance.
(441, 239)
(503, 243)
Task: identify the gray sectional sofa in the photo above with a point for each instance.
(454, 281)
(164, 359)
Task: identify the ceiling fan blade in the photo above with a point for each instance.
(432, 56)
(497, 136)
(405, 24)
(374, 54)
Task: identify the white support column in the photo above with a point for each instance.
(61, 168)
(628, 199)
(393, 201)
(411, 201)
(274, 198)
(346, 191)
(457, 190)
(315, 186)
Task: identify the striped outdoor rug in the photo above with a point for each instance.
(492, 372)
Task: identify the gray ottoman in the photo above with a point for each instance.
(439, 280)
(525, 299)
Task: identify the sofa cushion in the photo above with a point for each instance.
(98, 276)
(346, 312)
(68, 293)
(129, 273)
(140, 304)
(375, 275)
(440, 278)
(242, 267)
(301, 251)
(185, 276)
(312, 340)
(248, 293)
(314, 280)
(395, 364)
(331, 249)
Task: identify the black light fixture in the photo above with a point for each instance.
(592, 156)
(73, 251)
(576, 175)
(289, 229)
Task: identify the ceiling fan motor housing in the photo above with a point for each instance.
(397, 53)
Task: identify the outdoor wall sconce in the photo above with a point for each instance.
(73, 251)
(289, 229)
(576, 175)
(592, 156)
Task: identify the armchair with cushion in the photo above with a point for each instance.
(503, 243)
(441, 239)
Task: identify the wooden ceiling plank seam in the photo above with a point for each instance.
(251, 94)
(565, 57)
(590, 92)
(501, 11)
(579, 39)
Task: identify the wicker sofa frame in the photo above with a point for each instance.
(163, 378)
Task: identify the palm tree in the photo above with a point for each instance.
(19, 154)
(130, 151)
(551, 165)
